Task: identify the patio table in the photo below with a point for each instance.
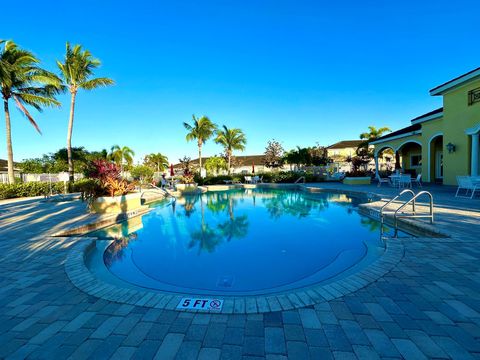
(401, 180)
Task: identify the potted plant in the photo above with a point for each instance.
(110, 193)
(187, 182)
(359, 175)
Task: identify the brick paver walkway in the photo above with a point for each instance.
(428, 306)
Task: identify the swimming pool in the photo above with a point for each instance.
(242, 242)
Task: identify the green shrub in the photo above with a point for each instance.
(218, 180)
(271, 177)
(86, 186)
(8, 191)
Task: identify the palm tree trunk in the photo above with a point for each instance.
(200, 156)
(8, 129)
(229, 154)
(69, 138)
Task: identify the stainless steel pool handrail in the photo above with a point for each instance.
(156, 188)
(300, 178)
(395, 198)
(396, 215)
(382, 212)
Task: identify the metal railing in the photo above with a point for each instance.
(413, 214)
(395, 198)
(396, 215)
(301, 178)
(154, 188)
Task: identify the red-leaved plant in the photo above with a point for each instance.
(107, 175)
(103, 169)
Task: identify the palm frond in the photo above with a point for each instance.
(37, 101)
(95, 83)
(26, 113)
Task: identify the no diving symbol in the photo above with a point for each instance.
(215, 304)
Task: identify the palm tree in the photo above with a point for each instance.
(201, 130)
(121, 155)
(231, 139)
(76, 72)
(373, 133)
(28, 84)
(158, 161)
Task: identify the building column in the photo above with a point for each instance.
(376, 166)
(397, 160)
(475, 150)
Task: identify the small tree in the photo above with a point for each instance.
(274, 154)
(215, 164)
(158, 162)
(142, 173)
(122, 156)
(319, 155)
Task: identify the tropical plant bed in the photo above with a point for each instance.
(364, 180)
(116, 204)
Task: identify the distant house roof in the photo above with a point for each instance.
(406, 131)
(345, 144)
(4, 165)
(243, 160)
(458, 81)
(435, 114)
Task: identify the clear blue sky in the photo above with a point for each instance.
(301, 72)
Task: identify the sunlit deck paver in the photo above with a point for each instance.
(428, 305)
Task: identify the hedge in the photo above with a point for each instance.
(8, 191)
(272, 177)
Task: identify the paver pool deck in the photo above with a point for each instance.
(427, 306)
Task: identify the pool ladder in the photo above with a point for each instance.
(397, 214)
(301, 178)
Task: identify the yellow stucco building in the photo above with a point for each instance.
(342, 150)
(443, 143)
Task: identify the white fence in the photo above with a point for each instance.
(58, 177)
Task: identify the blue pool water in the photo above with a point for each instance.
(242, 242)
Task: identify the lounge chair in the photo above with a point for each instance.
(466, 183)
(248, 179)
(383, 181)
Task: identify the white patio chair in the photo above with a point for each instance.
(383, 181)
(248, 179)
(466, 183)
(260, 179)
(417, 180)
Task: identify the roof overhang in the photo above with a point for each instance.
(401, 136)
(427, 118)
(457, 82)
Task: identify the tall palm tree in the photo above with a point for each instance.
(231, 139)
(121, 155)
(157, 161)
(77, 70)
(201, 130)
(22, 80)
